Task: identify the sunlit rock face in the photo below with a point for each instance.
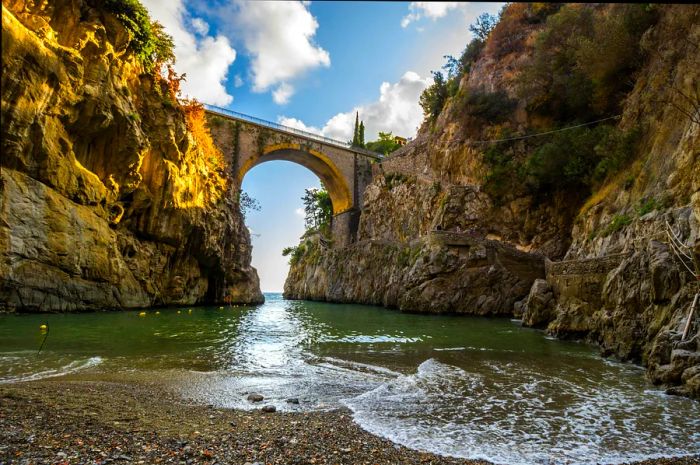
(107, 199)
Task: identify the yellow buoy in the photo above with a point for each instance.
(157, 313)
(43, 328)
(178, 312)
(142, 314)
(189, 311)
(221, 308)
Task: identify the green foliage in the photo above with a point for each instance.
(503, 177)
(647, 206)
(552, 83)
(149, 42)
(582, 62)
(618, 222)
(581, 157)
(385, 144)
(566, 161)
(578, 159)
(318, 210)
(612, 53)
(493, 107)
(433, 98)
(408, 256)
(615, 150)
(358, 136)
(395, 179)
(483, 26)
(356, 130)
(470, 54)
(294, 253)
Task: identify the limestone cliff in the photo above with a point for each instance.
(109, 195)
(584, 259)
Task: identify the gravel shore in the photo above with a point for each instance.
(99, 422)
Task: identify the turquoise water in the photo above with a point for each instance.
(463, 386)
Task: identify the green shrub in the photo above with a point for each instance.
(551, 82)
(566, 161)
(434, 97)
(616, 223)
(318, 210)
(493, 107)
(385, 144)
(582, 61)
(615, 150)
(395, 179)
(652, 203)
(149, 42)
(612, 52)
(647, 206)
(470, 54)
(294, 253)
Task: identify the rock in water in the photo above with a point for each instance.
(255, 397)
(269, 409)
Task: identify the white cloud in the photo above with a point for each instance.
(283, 93)
(200, 26)
(204, 59)
(448, 37)
(237, 80)
(432, 10)
(300, 212)
(298, 124)
(279, 36)
(396, 111)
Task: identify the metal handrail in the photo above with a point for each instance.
(281, 127)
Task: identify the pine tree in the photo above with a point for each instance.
(361, 135)
(356, 132)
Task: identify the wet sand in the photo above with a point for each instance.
(98, 422)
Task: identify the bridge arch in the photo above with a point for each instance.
(316, 161)
(247, 141)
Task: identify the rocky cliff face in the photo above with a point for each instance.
(107, 198)
(598, 267)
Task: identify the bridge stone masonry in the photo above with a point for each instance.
(247, 141)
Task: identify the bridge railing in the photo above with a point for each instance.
(281, 127)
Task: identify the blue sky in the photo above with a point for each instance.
(310, 65)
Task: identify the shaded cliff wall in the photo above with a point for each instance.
(107, 199)
(610, 277)
(636, 307)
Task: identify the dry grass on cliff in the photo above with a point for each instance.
(208, 159)
(196, 122)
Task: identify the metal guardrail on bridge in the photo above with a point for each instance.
(280, 127)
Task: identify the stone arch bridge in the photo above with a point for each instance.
(247, 141)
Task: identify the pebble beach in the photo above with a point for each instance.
(105, 422)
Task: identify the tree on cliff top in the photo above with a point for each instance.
(318, 209)
(385, 144)
(148, 40)
(358, 136)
